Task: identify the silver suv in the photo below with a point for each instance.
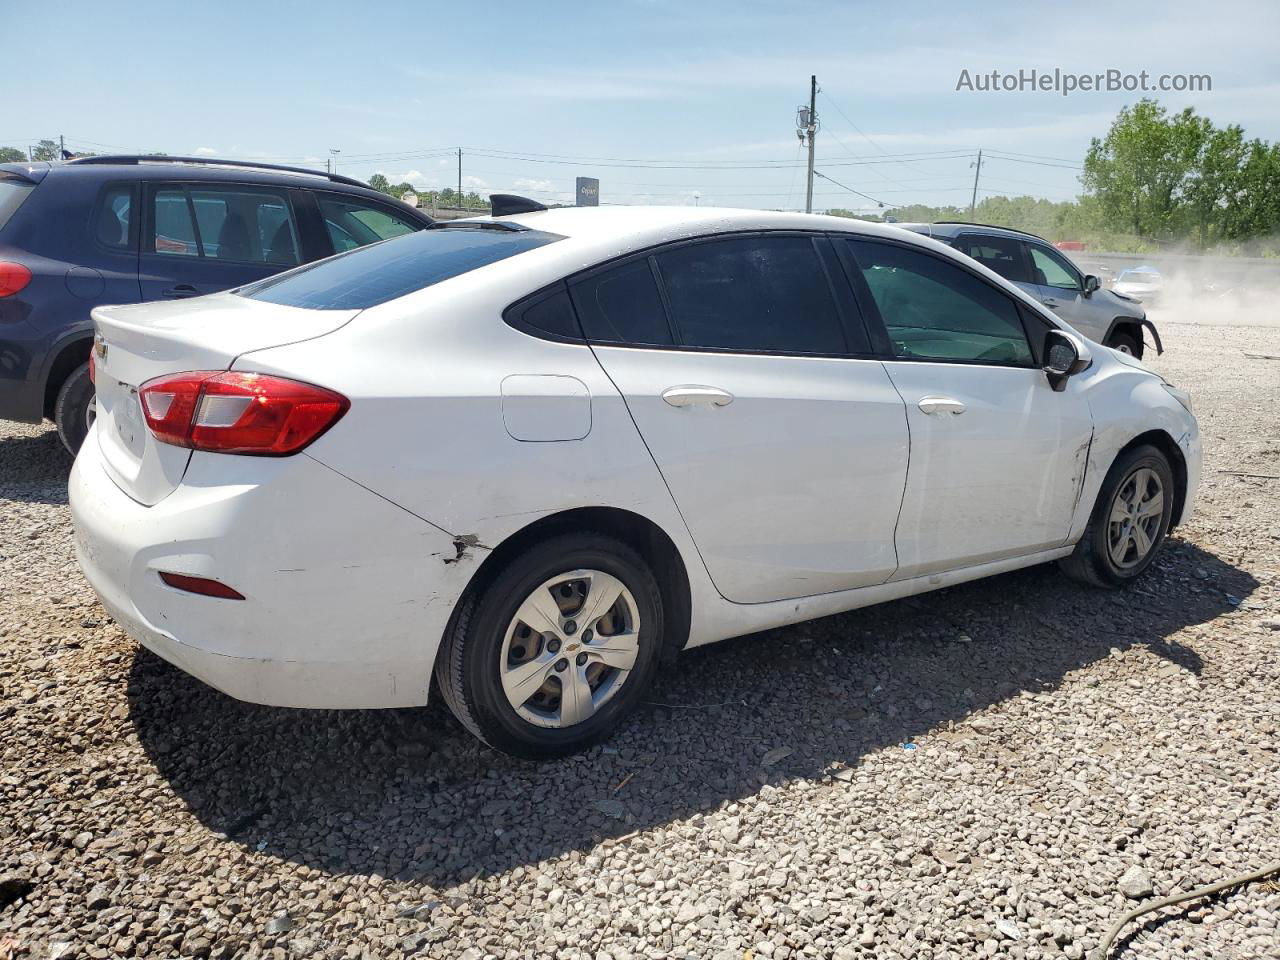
(1046, 273)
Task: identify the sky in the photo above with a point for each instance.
(664, 102)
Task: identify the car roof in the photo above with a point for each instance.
(195, 169)
(954, 228)
(647, 225)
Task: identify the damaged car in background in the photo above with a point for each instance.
(1109, 317)
(537, 454)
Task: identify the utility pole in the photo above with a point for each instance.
(811, 128)
(62, 147)
(461, 205)
(973, 202)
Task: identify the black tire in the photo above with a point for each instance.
(467, 666)
(71, 409)
(1092, 561)
(1126, 343)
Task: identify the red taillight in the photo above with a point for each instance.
(231, 412)
(13, 277)
(201, 585)
(93, 365)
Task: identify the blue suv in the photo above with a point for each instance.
(125, 229)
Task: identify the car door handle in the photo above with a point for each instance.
(689, 394)
(941, 405)
(1049, 302)
(180, 291)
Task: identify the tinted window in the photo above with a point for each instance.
(174, 232)
(12, 193)
(375, 274)
(752, 293)
(549, 314)
(1052, 269)
(623, 305)
(1001, 254)
(936, 310)
(241, 224)
(112, 218)
(353, 223)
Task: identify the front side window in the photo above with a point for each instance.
(370, 275)
(235, 223)
(354, 223)
(762, 293)
(934, 310)
(1001, 254)
(1052, 269)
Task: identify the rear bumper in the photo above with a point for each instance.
(346, 595)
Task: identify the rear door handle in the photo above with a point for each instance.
(941, 405)
(686, 395)
(179, 291)
(1049, 302)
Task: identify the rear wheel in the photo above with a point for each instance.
(1126, 343)
(556, 649)
(1129, 522)
(75, 408)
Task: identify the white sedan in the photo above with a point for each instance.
(536, 454)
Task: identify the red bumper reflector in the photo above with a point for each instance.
(201, 585)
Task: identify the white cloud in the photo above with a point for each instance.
(205, 152)
(534, 186)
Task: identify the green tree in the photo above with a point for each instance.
(1140, 172)
(46, 150)
(380, 183)
(11, 155)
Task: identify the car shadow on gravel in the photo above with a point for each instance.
(34, 469)
(409, 795)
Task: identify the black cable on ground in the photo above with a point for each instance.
(1110, 938)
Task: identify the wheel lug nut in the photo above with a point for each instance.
(553, 645)
(562, 666)
(582, 658)
(587, 636)
(570, 628)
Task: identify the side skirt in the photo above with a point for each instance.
(736, 619)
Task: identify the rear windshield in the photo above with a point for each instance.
(383, 271)
(12, 192)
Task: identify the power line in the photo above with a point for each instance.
(882, 203)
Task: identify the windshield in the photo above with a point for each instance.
(383, 271)
(12, 192)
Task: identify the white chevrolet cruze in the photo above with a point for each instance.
(534, 455)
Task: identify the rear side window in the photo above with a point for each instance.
(1001, 254)
(375, 274)
(936, 310)
(12, 192)
(622, 305)
(354, 223)
(114, 214)
(763, 293)
(548, 313)
(235, 223)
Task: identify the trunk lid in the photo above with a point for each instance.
(138, 343)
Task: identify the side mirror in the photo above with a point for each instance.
(1091, 283)
(1065, 355)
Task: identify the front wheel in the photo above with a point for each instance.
(1130, 520)
(556, 649)
(75, 408)
(1126, 343)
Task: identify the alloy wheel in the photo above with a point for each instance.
(569, 648)
(1134, 522)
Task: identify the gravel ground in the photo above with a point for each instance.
(993, 770)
